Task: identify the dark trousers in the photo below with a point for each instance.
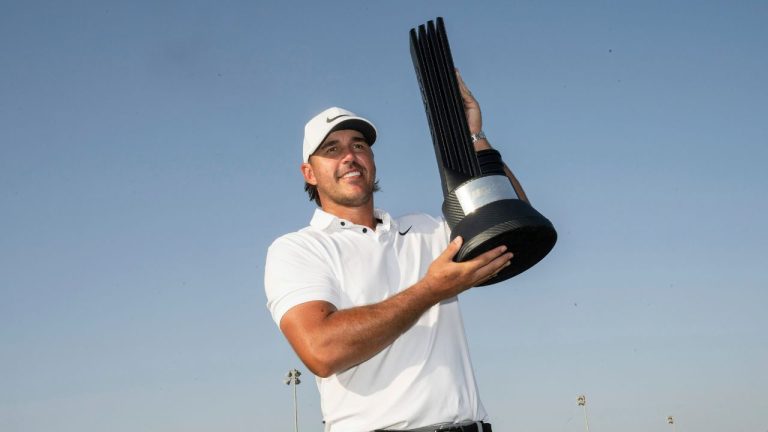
(486, 427)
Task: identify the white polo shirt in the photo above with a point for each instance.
(425, 377)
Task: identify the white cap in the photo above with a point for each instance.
(330, 120)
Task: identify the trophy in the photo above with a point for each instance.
(479, 202)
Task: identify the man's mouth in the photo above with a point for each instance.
(353, 173)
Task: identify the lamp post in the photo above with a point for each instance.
(293, 378)
(671, 420)
(582, 401)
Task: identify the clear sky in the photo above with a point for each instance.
(150, 151)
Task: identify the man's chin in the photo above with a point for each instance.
(350, 197)
(356, 201)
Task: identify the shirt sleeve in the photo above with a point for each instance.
(296, 272)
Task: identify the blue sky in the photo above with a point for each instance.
(149, 154)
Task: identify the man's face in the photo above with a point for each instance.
(343, 169)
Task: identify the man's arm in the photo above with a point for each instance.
(329, 340)
(475, 122)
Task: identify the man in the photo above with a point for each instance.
(369, 302)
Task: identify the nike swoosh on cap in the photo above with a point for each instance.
(406, 231)
(330, 119)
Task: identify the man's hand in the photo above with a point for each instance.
(471, 106)
(329, 340)
(446, 278)
(475, 123)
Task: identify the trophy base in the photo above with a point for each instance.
(512, 223)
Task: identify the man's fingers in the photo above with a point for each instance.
(493, 268)
(448, 278)
(452, 249)
(493, 274)
(485, 258)
(462, 86)
(485, 265)
(478, 261)
(498, 263)
(501, 262)
(465, 92)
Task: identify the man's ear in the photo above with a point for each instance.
(308, 173)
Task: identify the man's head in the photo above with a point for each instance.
(338, 162)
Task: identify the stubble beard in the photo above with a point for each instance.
(354, 199)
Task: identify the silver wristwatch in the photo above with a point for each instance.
(478, 136)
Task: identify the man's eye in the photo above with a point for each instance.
(329, 150)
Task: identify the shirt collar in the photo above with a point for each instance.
(323, 220)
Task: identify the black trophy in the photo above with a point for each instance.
(480, 204)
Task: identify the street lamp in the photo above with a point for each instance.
(582, 402)
(671, 420)
(293, 378)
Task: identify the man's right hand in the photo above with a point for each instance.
(329, 340)
(447, 278)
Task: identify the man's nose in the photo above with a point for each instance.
(348, 154)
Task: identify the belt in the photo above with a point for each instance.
(472, 427)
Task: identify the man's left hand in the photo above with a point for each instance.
(472, 111)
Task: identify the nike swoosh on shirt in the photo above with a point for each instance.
(406, 231)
